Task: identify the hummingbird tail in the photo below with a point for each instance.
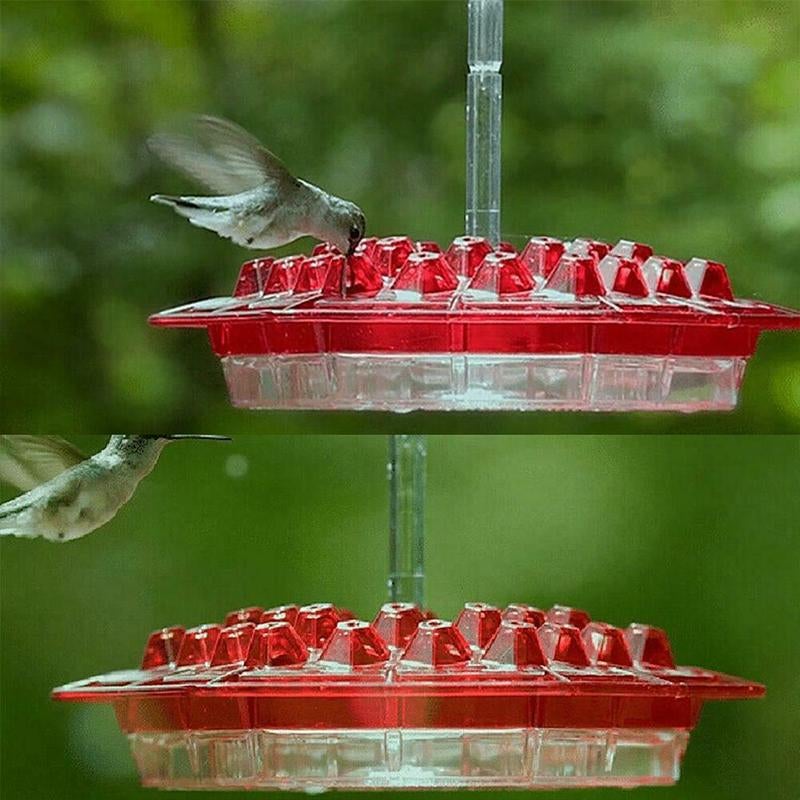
(12, 517)
(173, 201)
(212, 213)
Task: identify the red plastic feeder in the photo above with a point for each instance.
(307, 698)
(401, 325)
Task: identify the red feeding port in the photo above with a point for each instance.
(577, 275)
(708, 279)
(635, 251)
(563, 644)
(396, 623)
(250, 614)
(515, 644)
(280, 614)
(281, 275)
(253, 277)
(623, 275)
(233, 644)
(542, 254)
(357, 276)
(425, 273)
(354, 644)
(649, 646)
(589, 247)
(408, 702)
(466, 254)
(436, 643)
(391, 253)
(502, 274)
(162, 648)
(315, 623)
(522, 613)
(606, 644)
(478, 623)
(313, 272)
(276, 644)
(198, 646)
(565, 615)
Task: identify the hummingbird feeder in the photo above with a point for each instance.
(402, 325)
(310, 698)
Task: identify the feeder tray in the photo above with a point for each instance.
(312, 699)
(401, 325)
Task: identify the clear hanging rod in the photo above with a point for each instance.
(484, 106)
(406, 472)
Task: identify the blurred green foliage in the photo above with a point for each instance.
(694, 534)
(668, 122)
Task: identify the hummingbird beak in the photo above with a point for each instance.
(353, 243)
(173, 437)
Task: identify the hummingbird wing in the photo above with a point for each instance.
(28, 461)
(16, 518)
(222, 156)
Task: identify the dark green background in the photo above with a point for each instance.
(673, 123)
(694, 534)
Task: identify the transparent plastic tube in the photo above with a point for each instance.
(406, 472)
(484, 101)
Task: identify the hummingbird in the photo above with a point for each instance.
(68, 495)
(257, 202)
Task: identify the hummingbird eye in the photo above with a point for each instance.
(355, 233)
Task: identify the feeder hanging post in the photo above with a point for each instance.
(406, 472)
(484, 102)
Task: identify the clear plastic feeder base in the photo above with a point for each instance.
(474, 381)
(409, 759)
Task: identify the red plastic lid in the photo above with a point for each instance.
(394, 295)
(518, 667)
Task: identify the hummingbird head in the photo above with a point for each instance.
(140, 443)
(142, 450)
(137, 446)
(347, 225)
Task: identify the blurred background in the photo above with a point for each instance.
(671, 123)
(697, 535)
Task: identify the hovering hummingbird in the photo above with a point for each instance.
(68, 495)
(257, 202)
